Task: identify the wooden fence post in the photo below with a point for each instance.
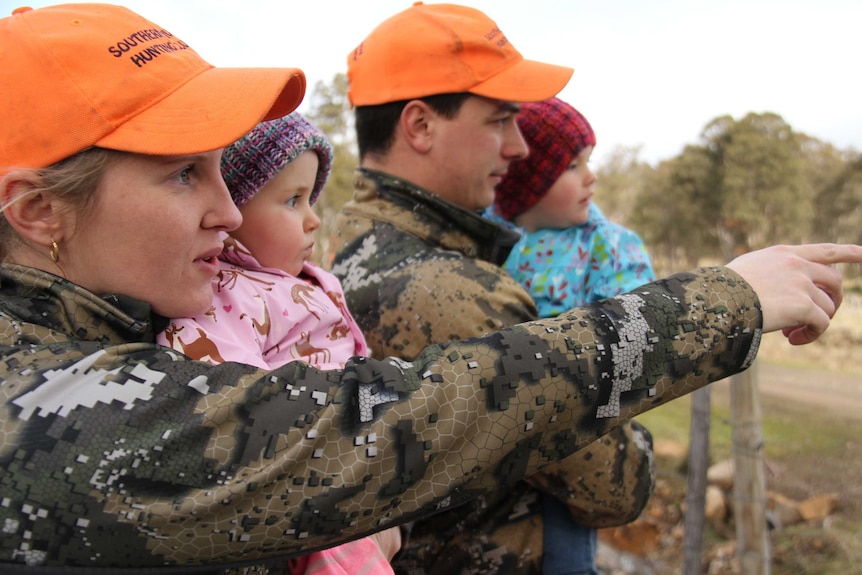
(749, 484)
(695, 494)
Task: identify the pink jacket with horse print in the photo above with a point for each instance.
(290, 318)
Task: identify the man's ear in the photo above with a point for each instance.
(417, 124)
(36, 215)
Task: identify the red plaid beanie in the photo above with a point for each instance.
(555, 133)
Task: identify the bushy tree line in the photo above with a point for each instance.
(746, 184)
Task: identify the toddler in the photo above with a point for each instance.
(568, 255)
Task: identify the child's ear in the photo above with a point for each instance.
(37, 215)
(417, 124)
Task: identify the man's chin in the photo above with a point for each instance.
(484, 202)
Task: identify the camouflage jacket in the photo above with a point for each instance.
(116, 452)
(421, 269)
(416, 270)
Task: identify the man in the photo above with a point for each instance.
(436, 90)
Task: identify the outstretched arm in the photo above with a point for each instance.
(178, 462)
(154, 460)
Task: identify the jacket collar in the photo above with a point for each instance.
(36, 297)
(492, 242)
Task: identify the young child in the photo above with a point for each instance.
(569, 254)
(271, 305)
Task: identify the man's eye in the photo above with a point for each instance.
(185, 176)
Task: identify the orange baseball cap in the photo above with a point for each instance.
(445, 48)
(81, 75)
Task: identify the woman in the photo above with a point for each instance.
(116, 452)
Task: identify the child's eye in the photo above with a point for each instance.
(291, 203)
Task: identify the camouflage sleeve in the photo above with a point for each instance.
(607, 483)
(441, 295)
(132, 455)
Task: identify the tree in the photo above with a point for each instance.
(749, 184)
(620, 181)
(822, 166)
(762, 194)
(674, 206)
(838, 217)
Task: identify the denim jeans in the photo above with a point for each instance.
(569, 548)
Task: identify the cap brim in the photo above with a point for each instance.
(525, 81)
(212, 110)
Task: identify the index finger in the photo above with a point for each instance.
(829, 253)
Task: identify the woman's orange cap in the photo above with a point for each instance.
(81, 75)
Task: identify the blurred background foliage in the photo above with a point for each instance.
(747, 183)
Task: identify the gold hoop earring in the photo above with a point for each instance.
(55, 251)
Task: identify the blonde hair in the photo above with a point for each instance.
(73, 180)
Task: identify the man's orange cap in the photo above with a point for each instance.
(444, 48)
(81, 75)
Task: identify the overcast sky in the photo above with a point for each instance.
(647, 72)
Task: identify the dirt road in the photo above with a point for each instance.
(839, 393)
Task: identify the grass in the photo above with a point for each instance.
(781, 429)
